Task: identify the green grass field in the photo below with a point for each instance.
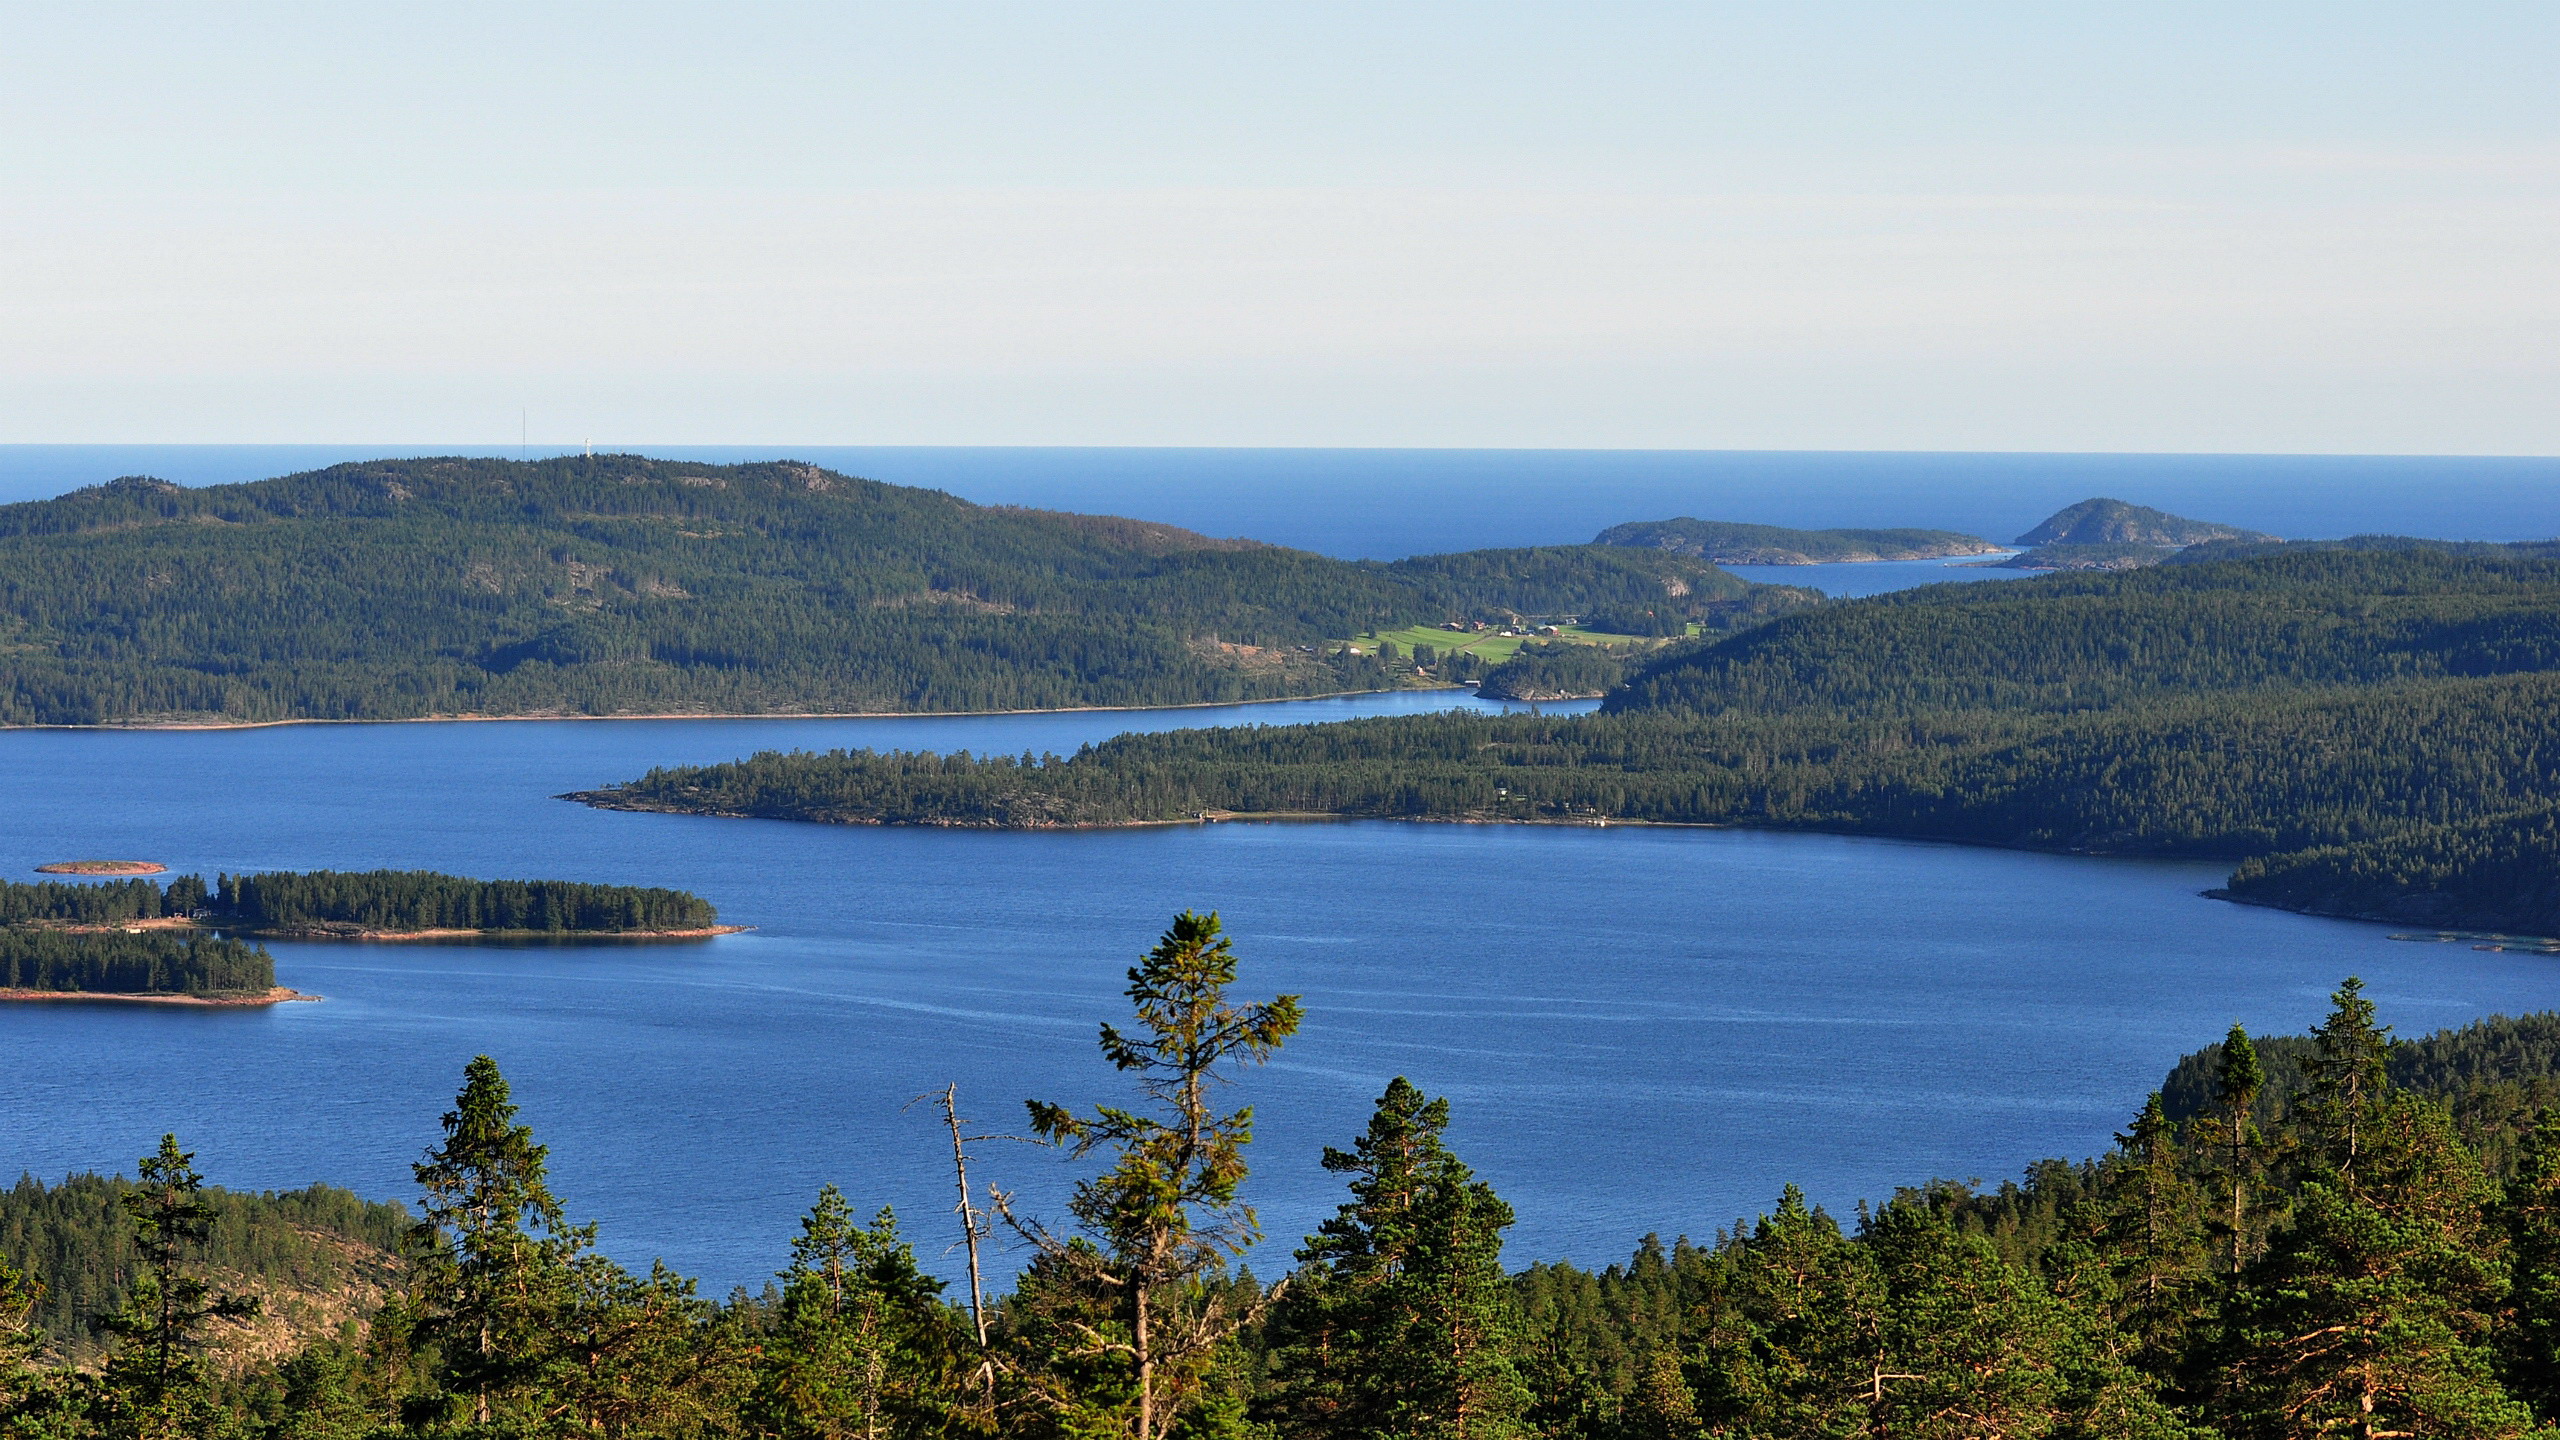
(1493, 647)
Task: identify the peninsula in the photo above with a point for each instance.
(2368, 728)
(1725, 543)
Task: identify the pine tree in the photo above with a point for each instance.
(2237, 1081)
(1166, 1213)
(1401, 1319)
(2532, 1216)
(492, 1277)
(20, 1338)
(1794, 1343)
(2370, 1313)
(155, 1379)
(2151, 1231)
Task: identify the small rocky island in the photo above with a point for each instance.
(103, 867)
(2103, 534)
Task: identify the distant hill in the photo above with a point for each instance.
(617, 584)
(1725, 543)
(2112, 535)
(2113, 522)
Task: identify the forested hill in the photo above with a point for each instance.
(2372, 731)
(620, 584)
(2270, 620)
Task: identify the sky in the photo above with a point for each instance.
(2327, 228)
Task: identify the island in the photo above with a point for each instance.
(1726, 543)
(153, 967)
(364, 905)
(103, 867)
(2104, 534)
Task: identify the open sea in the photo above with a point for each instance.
(1640, 1030)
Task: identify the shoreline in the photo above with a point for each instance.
(277, 996)
(1596, 822)
(479, 719)
(396, 936)
(354, 932)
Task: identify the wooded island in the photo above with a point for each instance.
(140, 938)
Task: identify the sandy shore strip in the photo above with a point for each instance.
(277, 996)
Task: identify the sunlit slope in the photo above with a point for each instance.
(618, 584)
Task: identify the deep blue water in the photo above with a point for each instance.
(1386, 503)
(1640, 1029)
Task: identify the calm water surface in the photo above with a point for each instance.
(1386, 503)
(1640, 1029)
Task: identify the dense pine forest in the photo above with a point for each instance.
(152, 962)
(296, 903)
(617, 584)
(323, 902)
(2307, 1236)
(2371, 728)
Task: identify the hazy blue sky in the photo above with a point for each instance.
(2328, 227)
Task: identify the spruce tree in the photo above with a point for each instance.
(491, 1274)
(862, 1345)
(155, 1379)
(2151, 1231)
(2237, 1081)
(2349, 1081)
(1400, 1320)
(1166, 1213)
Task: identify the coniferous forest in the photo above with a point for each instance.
(2368, 728)
(2335, 1234)
(616, 584)
(322, 902)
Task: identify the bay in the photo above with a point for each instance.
(1639, 1029)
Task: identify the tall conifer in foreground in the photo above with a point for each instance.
(2236, 1142)
(155, 1379)
(2370, 1313)
(1166, 1215)
(491, 1275)
(2349, 1079)
(1400, 1320)
(2532, 1215)
(2152, 1227)
(863, 1343)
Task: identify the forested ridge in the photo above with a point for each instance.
(320, 902)
(619, 584)
(2370, 729)
(2311, 1236)
(1731, 544)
